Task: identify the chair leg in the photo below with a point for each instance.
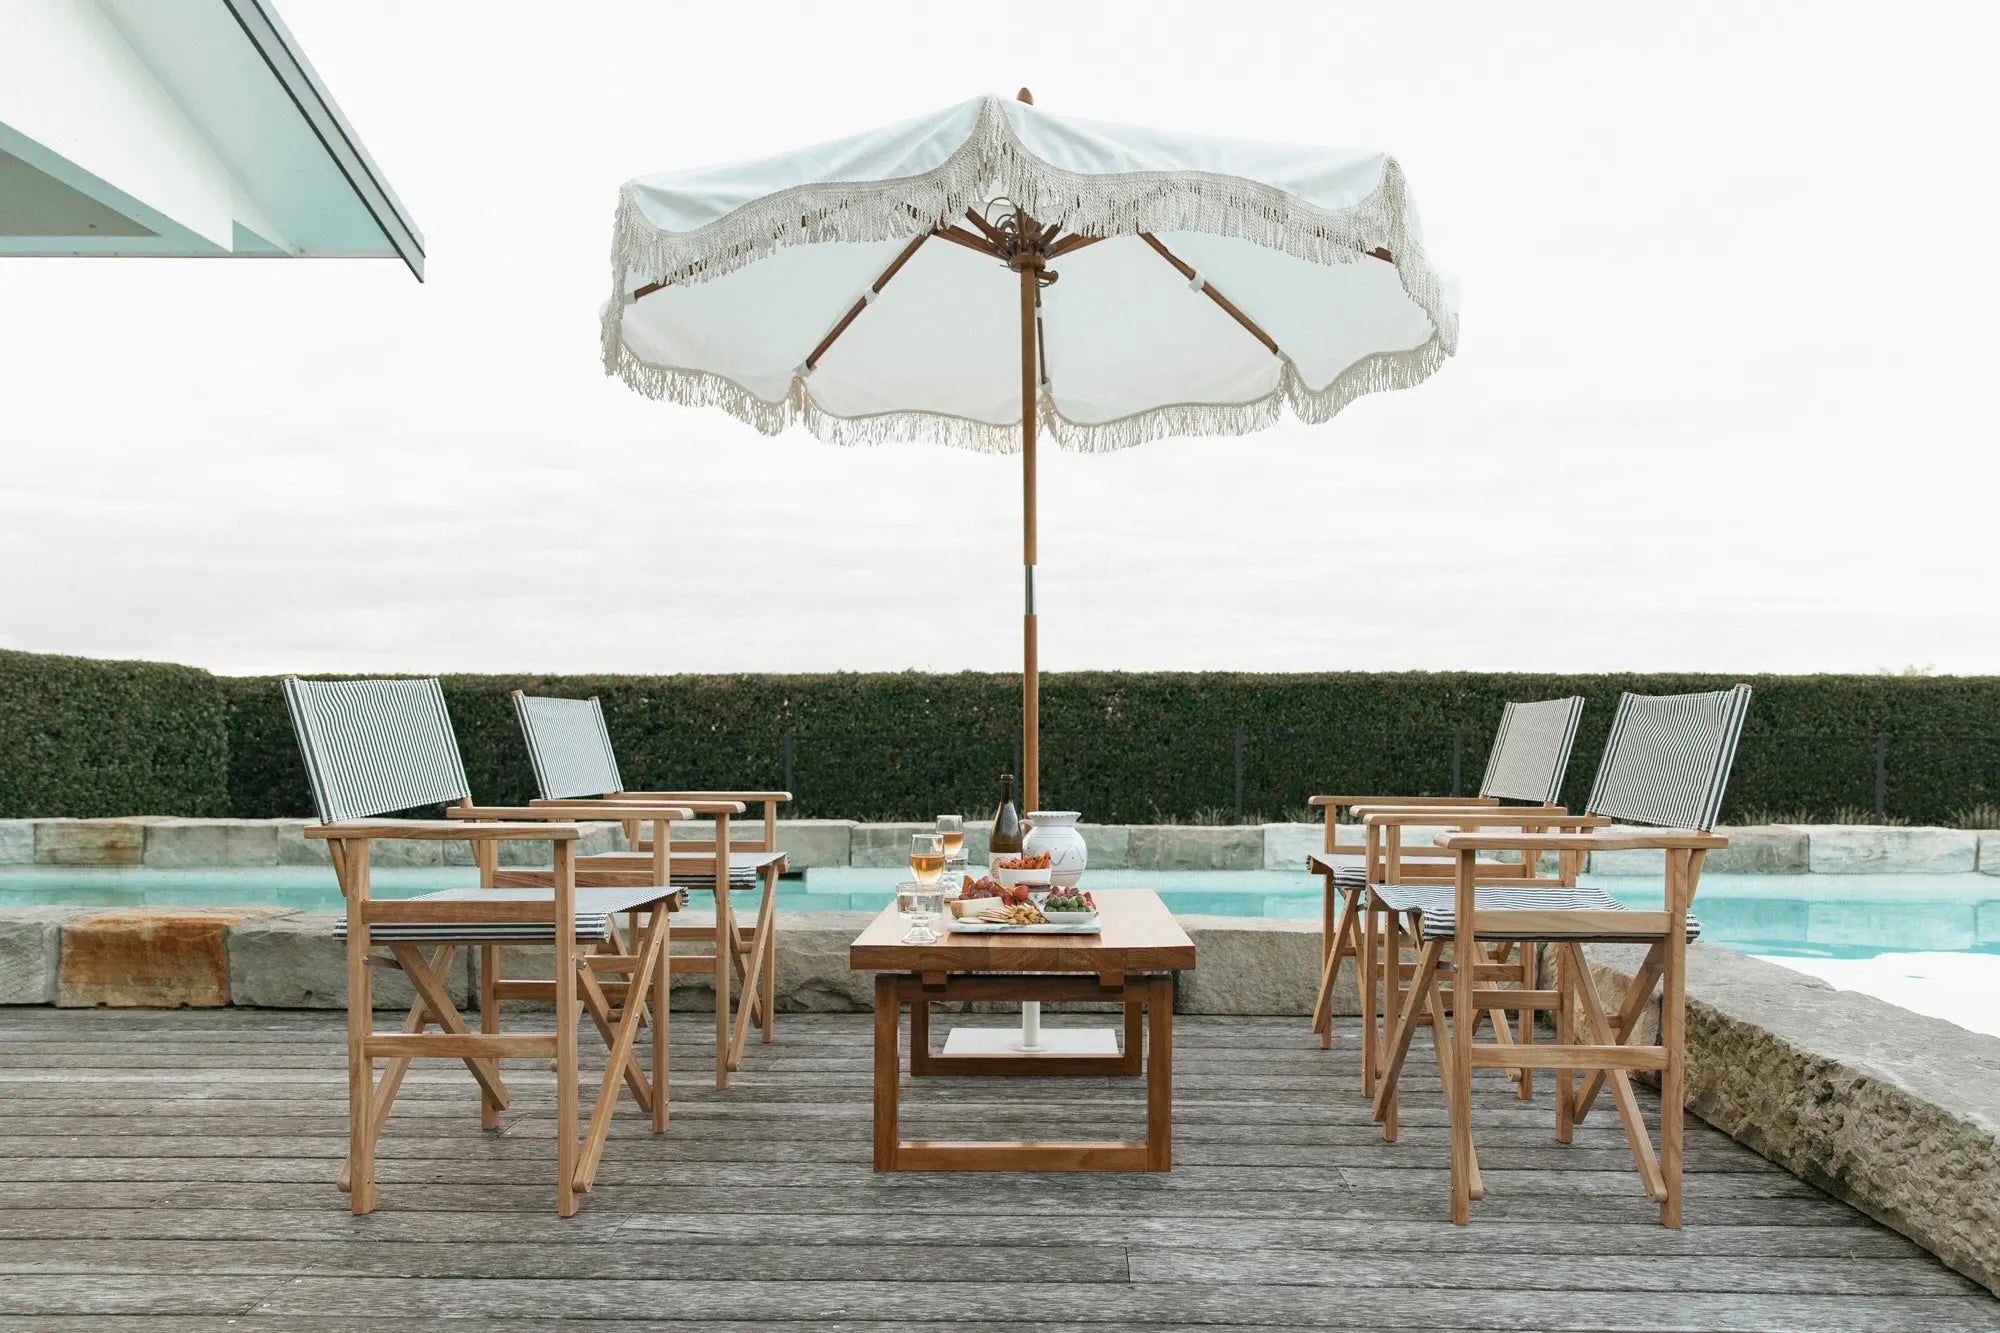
(1456, 1070)
(753, 978)
(1525, 1018)
(618, 1061)
(1345, 943)
(1599, 1030)
(489, 1017)
(767, 940)
(662, 995)
(725, 969)
(1398, 1048)
(1366, 943)
(360, 1074)
(1565, 1036)
(1673, 1035)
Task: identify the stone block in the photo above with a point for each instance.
(1109, 846)
(1250, 966)
(196, 843)
(17, 842)
(1896, 1113)
(1768, 849)
(294, 962)
(1989, 853)
(812, 843)
(1286, 846)
(295, 848)
(883, 846)
(157, 957)
(1867, 849)
(90, 842)
(30, 952)
(1195, 847)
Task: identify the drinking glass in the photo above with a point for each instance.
(919, 904)
(927, 857)
(952, 829)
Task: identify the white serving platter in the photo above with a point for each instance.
(959, 927)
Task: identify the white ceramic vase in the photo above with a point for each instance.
(1054, 832)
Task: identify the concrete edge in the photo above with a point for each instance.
(164, 842)
(1893, 1112)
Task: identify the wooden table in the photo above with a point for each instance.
(1132, 959)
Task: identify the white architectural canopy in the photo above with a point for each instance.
(179, 128)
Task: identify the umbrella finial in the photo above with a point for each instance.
(1025, 96)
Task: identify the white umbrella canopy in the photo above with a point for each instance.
(992, 273)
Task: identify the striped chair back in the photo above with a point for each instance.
(569, 745)
(373, 747)
(1668, 758)
(1531, 753)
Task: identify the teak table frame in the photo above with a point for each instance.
(1131, 961)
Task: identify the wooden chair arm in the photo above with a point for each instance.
(607, 808)
(1621, 840)
(488, 812)
(1493, 817)
(442, 830)
(780, 797)
(1402, 802)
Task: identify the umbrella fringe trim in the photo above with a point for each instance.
(1379, 373)
(993, 161)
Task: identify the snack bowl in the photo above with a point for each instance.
(1036, 880)
(1070, 918)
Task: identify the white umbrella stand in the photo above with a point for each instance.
(887, 286)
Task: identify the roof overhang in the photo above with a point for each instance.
(190, 128)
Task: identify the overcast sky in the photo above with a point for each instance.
(1723, 398)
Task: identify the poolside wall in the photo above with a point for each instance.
(163, 842)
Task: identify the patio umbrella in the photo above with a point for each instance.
(991, 275)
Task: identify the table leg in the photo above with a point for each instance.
(1160, 1075)
(1135, 1040)
(920, 1036)
(888, 1068)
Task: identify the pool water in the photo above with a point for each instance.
(1930, 943)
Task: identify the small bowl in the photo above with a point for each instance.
(1070, 918)
(1034, 879)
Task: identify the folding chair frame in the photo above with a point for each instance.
(1610, 1051)
(618, 1008)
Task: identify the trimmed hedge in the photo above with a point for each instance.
(83, 737)
(1145, 747)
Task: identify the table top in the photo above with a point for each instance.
(1138, 935)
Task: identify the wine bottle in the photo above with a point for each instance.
(1006, 839)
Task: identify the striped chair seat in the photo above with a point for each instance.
(746, 870)
(1435, 906)
(1347, 873)
(594, 909)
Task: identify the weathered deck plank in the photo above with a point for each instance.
(161, 1172)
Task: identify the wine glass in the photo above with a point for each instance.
(919, 904)
(927, 857)
(952, 829)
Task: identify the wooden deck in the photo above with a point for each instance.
(174, 1171)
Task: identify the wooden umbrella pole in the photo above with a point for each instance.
(1031, 684)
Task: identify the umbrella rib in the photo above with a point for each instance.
(854, 311)
(1208, 290)
(1072, 242)
(960, 236)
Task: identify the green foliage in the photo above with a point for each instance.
(83, 737)
(1161, 746)
(104, 737)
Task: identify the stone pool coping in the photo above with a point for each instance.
(1893, 1112)
(164, 842)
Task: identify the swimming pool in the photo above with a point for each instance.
(1930, 943)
